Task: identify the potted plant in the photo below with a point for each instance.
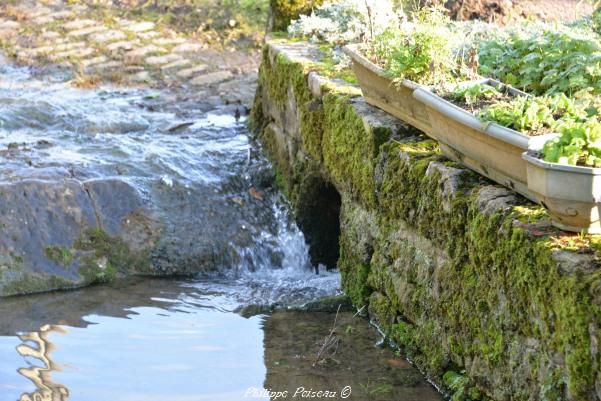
(565, 177)
(380, 90)
(401, 59)
(489, 148)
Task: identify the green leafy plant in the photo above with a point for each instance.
(539, 114)
(553, 61)
(471, 94)
(579, 143)
(522, 114)
(460, 387)
(419, 50)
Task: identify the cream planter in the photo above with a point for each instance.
(571, 194)
(487, 148)
(379, 90)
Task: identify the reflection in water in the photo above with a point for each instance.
(164, 340)
(36, 345)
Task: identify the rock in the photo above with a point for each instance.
(136, 55)
(45, 223)
(101, 67)
(492, 199)
(212, 78)
(169, 41)
(126, 45)
(148, 35)
(78, 53)
(108, 36)
(36, 215)
(176, 64)
(188, 72)
(8, 24)
(139, 27)
(188, 48)
(78, 24)
(142, 76)
(94, 61)
(159, 60)
(330, 304)
(87, 31)
(450, 182)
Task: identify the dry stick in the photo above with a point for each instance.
(329, 340)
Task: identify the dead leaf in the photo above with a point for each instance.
(398, 363)
(255, 193)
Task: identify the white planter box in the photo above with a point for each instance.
(571, 194)
(487, 148)
(379, 90)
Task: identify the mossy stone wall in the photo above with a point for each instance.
(467, 277)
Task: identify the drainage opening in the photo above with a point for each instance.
(318, 216)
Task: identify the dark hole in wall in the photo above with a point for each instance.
(318, 216)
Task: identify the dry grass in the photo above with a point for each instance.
(83, 81)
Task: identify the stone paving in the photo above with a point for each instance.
(98, 46)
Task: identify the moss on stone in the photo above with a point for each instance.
(457, 286)
(60, 255)
(493, 267)
(350, 148)
(28, 283)
(461, 388)
(107, 257)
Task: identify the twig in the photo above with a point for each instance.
(329, 342)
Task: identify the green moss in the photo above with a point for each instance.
(27, 283)
(350, 148)
(402, 334)
(354, 279)
(108, 256)
(284, 11)
(448, 282)
(461, 388)
(62, 256)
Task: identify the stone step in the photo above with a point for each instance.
(124, 44)
(9, 24)
(94, 61)
(139, 27)
(188, 48)
(83, 32)
(102, 67)
(108, 36)
(76, 53)
(176, 64)
(136, 55)
(79, 24)
(189, 72)
(148, 35)
(161, 60)
(212, 78)
(168, 41)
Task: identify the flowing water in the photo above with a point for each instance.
(178, 340)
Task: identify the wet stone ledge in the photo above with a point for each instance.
(469, 278)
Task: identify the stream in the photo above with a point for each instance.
(234, 330)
